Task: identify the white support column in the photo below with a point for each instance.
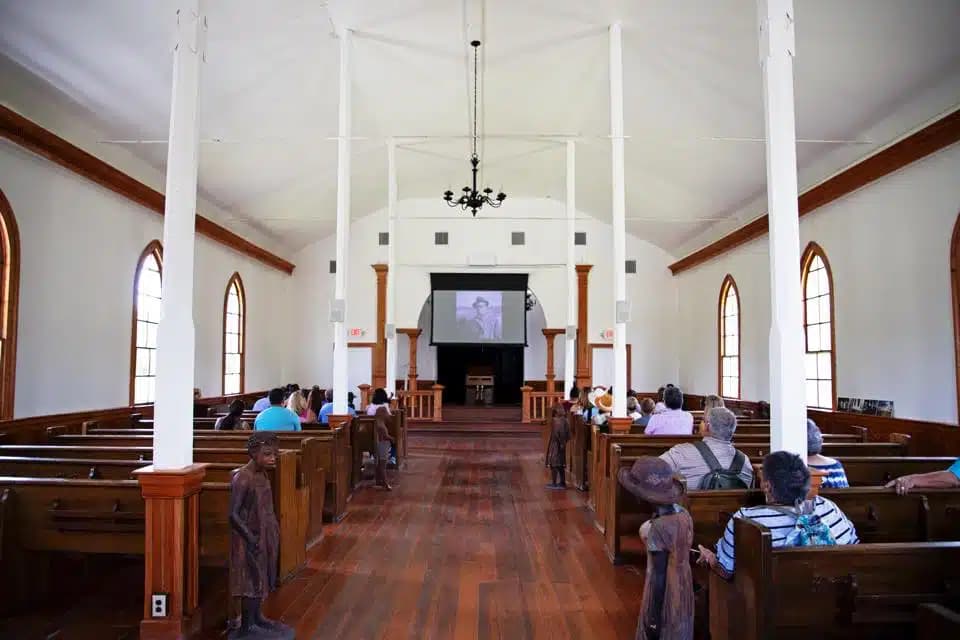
(391, 331)
(173, 406)
(619, 201)
(787, 379)
(570, 352)
(339, 309)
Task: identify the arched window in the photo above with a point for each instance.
(729, 332)
(9, 299)
(234, 336)
(817, 284)
(147, 300)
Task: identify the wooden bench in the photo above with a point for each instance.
(325, 451)
(879, 514)
(872, 471)
(657, 445)
(855, 591)
(292, 498)
(362, 439)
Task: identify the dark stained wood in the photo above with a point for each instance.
(9, 304)
(927, 438)
(468, 545)
(32, 137)
(916, 146)
(584, 367)
(379, 355)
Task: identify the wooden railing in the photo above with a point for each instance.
(537, 404)
(423, 404)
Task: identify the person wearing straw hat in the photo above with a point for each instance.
(602, 401)
(667, 609)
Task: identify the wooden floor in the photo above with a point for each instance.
(470, 544)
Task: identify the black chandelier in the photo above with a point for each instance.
(473, 199)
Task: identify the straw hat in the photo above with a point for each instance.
(601, 399)
(651, 479)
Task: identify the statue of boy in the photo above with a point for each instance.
(254, 540)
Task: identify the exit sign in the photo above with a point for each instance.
(357, 333)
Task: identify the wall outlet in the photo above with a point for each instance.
(158, 605)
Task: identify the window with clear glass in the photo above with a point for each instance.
(818, 328)
(148, 309)
(729, 339)
(233, 337)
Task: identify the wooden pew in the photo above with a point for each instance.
(578, 452)
(936, 621)
(854, 591)
(879, 514)
(324, 451)
(656, 445)
(292, 498)
(871, 471)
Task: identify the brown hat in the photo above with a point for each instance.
(652, 479)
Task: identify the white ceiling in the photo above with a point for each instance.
(691, 75)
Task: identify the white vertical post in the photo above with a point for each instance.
(391, 266)
(339, 312)
(173, 406)
(787, 379)
(570, 350)
(619, 200)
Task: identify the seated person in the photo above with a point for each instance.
(232, 421)
(379, 399)
(674, 421)
(298, 406)
(327, 408)
(633, 408)
(315, 402)
(646, 411)
(949, 479)
(786, 482)
(688, 461)
(836, 477)
(574, 398)
(262, 404)
(277, 417)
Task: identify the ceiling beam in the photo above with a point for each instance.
(32, 137)
(916, 146)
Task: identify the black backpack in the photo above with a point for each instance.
(720, 478)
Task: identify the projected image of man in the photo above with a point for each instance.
(483, 324)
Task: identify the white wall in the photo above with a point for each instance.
(79, 247)
(653, 291)
(889, 249)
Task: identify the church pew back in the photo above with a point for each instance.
(95, 469)
(868, 590)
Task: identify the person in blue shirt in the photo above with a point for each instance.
(277, 417)
(262, 404)
(327, 408)
(949, 479)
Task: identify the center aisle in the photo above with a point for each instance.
(470, 544)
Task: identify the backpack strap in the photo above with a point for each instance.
(736, 465)
(708, 456)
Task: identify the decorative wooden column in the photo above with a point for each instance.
(584, 362)
(364, 396)
(172, 550)
(525, 403)
(413, 335)
(550, 334)
(379, 367)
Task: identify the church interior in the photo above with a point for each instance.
(476, 319)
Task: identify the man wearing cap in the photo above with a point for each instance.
(484, 325)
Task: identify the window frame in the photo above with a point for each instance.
(154, 249)
(728, 284)
(9, 305)
(812, 251)
(235, 280)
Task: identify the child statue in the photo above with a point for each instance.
(254, 540)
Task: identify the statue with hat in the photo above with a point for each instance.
(255, 540)
(667, 610)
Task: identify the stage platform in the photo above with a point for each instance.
(492, 421)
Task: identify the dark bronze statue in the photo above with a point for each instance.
(255, 540)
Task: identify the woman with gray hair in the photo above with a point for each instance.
(836, 477)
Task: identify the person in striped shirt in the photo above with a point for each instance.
(786, 482)
(836, 477)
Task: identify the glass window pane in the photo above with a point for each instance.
(151, 388)
(811, 365)
(151, 331)
(826, 393)
(138, 391)
(233, 326)
(233, 343)
(730, 387)
(141, 334)
(816, 263)
(231, 384)
(233, 303)
(824, 304)
(232, 363)
(824, 281)
(813, 311)
(813, 338)
(732, 307)
(812, 393)
(813, 286)
(826, 340)
(153, 362)
(143, 362)
(824, 366)
(733, 349)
